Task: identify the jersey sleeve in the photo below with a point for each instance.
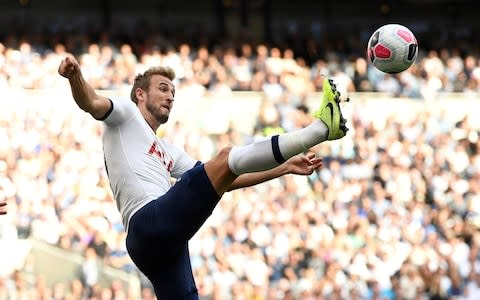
(121, 111)
(183, 161)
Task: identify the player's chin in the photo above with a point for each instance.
(162, 118)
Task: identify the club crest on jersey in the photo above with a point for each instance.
(155, 151)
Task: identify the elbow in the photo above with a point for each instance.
(85, 108)
(96, 107)
(88, 108)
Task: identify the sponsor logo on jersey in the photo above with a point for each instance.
(155, 151)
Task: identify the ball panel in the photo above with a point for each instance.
(412, 52)
(371, 55)
(374, 39)
(405, 35)
(382, 52)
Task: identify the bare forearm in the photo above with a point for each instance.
(83, 94)
(250, 179)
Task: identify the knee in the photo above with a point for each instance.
(224, 152)
(220, 160)
(231, 158)
(219, 172)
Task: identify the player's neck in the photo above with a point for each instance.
(150, 119)
(154, 128)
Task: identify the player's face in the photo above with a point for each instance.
(160, 97)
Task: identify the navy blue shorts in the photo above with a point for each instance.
(158, 234)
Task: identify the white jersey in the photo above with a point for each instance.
(139, 164)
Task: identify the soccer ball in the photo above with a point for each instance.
(392, 48)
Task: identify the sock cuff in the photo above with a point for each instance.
(276, 150)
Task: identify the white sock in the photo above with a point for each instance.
(267, 154)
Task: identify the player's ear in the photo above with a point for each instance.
(140, 94)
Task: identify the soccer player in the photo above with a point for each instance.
(161, 217)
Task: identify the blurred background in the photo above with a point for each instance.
(393, 214)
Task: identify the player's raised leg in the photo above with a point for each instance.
(328, 125)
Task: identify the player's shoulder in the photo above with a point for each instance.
(118, 100)
(122, 109)
(123, 104)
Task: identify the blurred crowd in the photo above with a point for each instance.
(297, 68)
(393, 214)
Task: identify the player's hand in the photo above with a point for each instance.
(3, 207)
(304, 164)
(69, 67)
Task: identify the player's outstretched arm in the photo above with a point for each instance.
(85, 96)
(299, 165)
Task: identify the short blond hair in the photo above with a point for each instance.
(143, 80)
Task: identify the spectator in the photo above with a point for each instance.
(90, 270)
